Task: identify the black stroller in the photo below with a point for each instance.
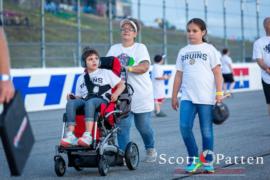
(103, 153)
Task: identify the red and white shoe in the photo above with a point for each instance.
(85, 140)
(69, 140)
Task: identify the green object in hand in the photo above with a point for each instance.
(131, 61)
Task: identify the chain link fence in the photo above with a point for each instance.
(40, 35)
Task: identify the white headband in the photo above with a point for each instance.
(124, 21)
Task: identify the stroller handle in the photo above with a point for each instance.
(113, 112)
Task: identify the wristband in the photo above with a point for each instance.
(129, 69)
(4, 77)
(220, 93)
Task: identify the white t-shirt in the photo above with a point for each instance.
(158, 85)
(226, 61)
(198, 82)
(100, 77)
(142, 99)
(261, 50)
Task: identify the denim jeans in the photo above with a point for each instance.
(90, 107)
(188, 111)
(143, 124)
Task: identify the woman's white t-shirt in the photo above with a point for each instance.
(198, 82)
(261, 50)
(100, 77)
(142, 99)
(226, 61)
(158, 85)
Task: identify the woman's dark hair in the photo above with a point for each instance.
(199, 22)
(225, 51)
(136, 23)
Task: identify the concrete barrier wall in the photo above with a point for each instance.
(46, 89)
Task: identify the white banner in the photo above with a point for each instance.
(46, 89)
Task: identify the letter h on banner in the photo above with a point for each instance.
(53, 91)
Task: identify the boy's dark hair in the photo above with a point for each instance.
(87, 51)
(199, 22)
(225, 51)
(158, 58)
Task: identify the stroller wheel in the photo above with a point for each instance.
(77, 168)
(132, 156)
(59, 166)
(77, 165)
(103, 166)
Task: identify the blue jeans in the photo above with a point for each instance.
(143, 124)
(188, 111)
(90, 107)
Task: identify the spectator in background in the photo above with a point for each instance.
(6, 86)
(158, 84)
(261, 54)
(51, 6)
(227, 72)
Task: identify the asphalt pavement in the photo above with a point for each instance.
(246, 135)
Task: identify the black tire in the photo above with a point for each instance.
(77, 168)
(103, 166)
(132, 156)
(59, 166)
(77, 164)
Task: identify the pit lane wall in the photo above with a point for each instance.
(46, 89)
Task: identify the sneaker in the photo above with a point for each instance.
(192, 167)
(69, 140)
(161, 114)
(208, 169)
(228, 94)
(85, 140)
(151, 155)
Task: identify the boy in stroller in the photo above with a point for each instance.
(94, 110)
(106, 80)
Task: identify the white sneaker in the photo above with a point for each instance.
(151, 155)
(69, 140)
(85, 140)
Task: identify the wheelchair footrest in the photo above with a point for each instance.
(74, 148)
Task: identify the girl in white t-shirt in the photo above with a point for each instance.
(135, 58)
(82, 98)
(199, 77)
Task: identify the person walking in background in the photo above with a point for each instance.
(227, 72)
(198, 74)
(158, 78)
(261, 54)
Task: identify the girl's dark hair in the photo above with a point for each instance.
(225, 51)
(199, 22)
